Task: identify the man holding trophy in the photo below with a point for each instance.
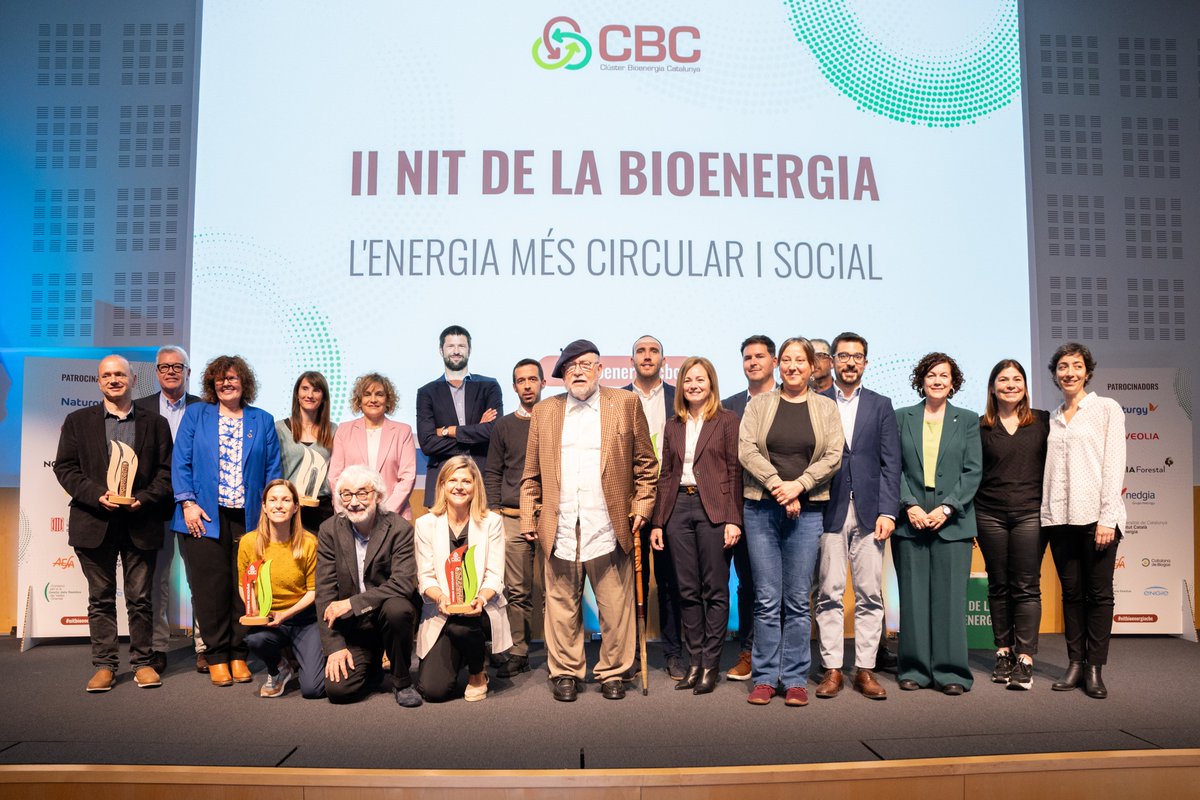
(114, 460)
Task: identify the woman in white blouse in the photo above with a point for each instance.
(1083, 513)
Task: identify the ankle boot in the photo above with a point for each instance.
(1070, 679)
(689, 678)
(708, 680)
(1093, 682)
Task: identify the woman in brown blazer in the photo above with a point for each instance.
(699, 504)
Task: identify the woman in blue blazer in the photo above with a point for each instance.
(226, 451)
(942, 462)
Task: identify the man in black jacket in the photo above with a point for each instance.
(105, 526)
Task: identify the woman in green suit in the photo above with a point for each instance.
(942, 464)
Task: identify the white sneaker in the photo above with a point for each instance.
(474, 693)
(275, 684)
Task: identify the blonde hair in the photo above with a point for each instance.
(712, 405)
(262, 534)
(479, 506)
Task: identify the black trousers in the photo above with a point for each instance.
(697, 548)
(216, 598)
(462, 642)
(1013, 545)
(739, 554)
(99, 566)
(668, 592)
(389, 629)
(1086, 575)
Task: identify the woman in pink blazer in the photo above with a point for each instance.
(375, 441)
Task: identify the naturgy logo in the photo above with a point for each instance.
(562, 44)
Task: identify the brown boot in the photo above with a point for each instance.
(742, 670)
(102, 681)
(240, 671)
(831, 683)
(865, 682)
(219, 674)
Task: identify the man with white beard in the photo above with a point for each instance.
(366, 591)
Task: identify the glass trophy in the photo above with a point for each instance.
(462, 580)
(122, 467)
(255, 583)
(309, 477)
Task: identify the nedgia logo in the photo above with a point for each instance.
(562, 45)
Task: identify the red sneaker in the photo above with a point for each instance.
(796, 696)
(761, 695)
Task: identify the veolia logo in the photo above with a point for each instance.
(562, 44)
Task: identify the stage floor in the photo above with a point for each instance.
(49, 719)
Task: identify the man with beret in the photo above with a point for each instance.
(587, 490)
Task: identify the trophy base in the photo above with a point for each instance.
(249, 620)
(460, 608)
(309, 502)
(120, 501)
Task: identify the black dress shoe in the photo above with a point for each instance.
(513, 667)
(708, 680)
(953, 689)
(564, 689)
(885, 660)
(1070, 679)
(909, 686)
(612, 689)
(1093, 682)
(689, 680)
(158, 660)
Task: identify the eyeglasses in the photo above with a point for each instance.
(824, 355)
(228, 379)
(164, 369)
(846, 358)
(580, 366)
(362, 494)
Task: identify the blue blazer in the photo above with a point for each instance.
(435, 409)
(194, 470)
(875, 460)
(959, 469)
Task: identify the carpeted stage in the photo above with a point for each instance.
(49, 719)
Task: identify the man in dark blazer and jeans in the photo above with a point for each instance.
(102, 530)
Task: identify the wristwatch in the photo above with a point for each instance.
(947, 510)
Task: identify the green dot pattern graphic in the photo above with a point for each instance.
(946, 91)
(316, 348)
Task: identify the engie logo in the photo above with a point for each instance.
(562, 45)
(1155, 591)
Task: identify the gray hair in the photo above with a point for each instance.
(173, 348)
(358, 475)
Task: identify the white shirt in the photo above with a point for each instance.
(1085, 465)
(691, 434)
(172, 411)
(848, 408)
(656, 413)
(373, 437)
(581, 495)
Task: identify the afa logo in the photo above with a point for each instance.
(64, 562)
(562, 44)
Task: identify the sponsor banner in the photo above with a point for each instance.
(1156, 556)
(54, 387)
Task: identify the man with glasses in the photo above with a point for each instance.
(864, 498)
(126, 524)
(366, 591)
(587, 490)
(821, 379)
(172, 371)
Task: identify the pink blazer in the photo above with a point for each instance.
(396, 461)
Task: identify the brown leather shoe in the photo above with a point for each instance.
(201, 662)
(831, 683)
(742, 670)
(219, 674)
(241, 671)
(102, 681)
(147, 678)
(865, 682)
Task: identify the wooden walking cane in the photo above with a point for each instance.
(641, 609)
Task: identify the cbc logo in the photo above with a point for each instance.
(563, 45)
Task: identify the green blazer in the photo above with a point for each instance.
(959, 469)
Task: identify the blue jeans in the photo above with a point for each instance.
(301, 634)
(783, 556)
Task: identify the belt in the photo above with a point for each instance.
(511, 513)
(689, 490)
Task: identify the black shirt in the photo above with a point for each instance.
(791, 440)
(1013, 465)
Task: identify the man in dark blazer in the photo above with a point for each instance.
(366, 587)
(105, 525)
(172, 371)
(456, 412)
(864, 499)
(658, 403)
(758, 365)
